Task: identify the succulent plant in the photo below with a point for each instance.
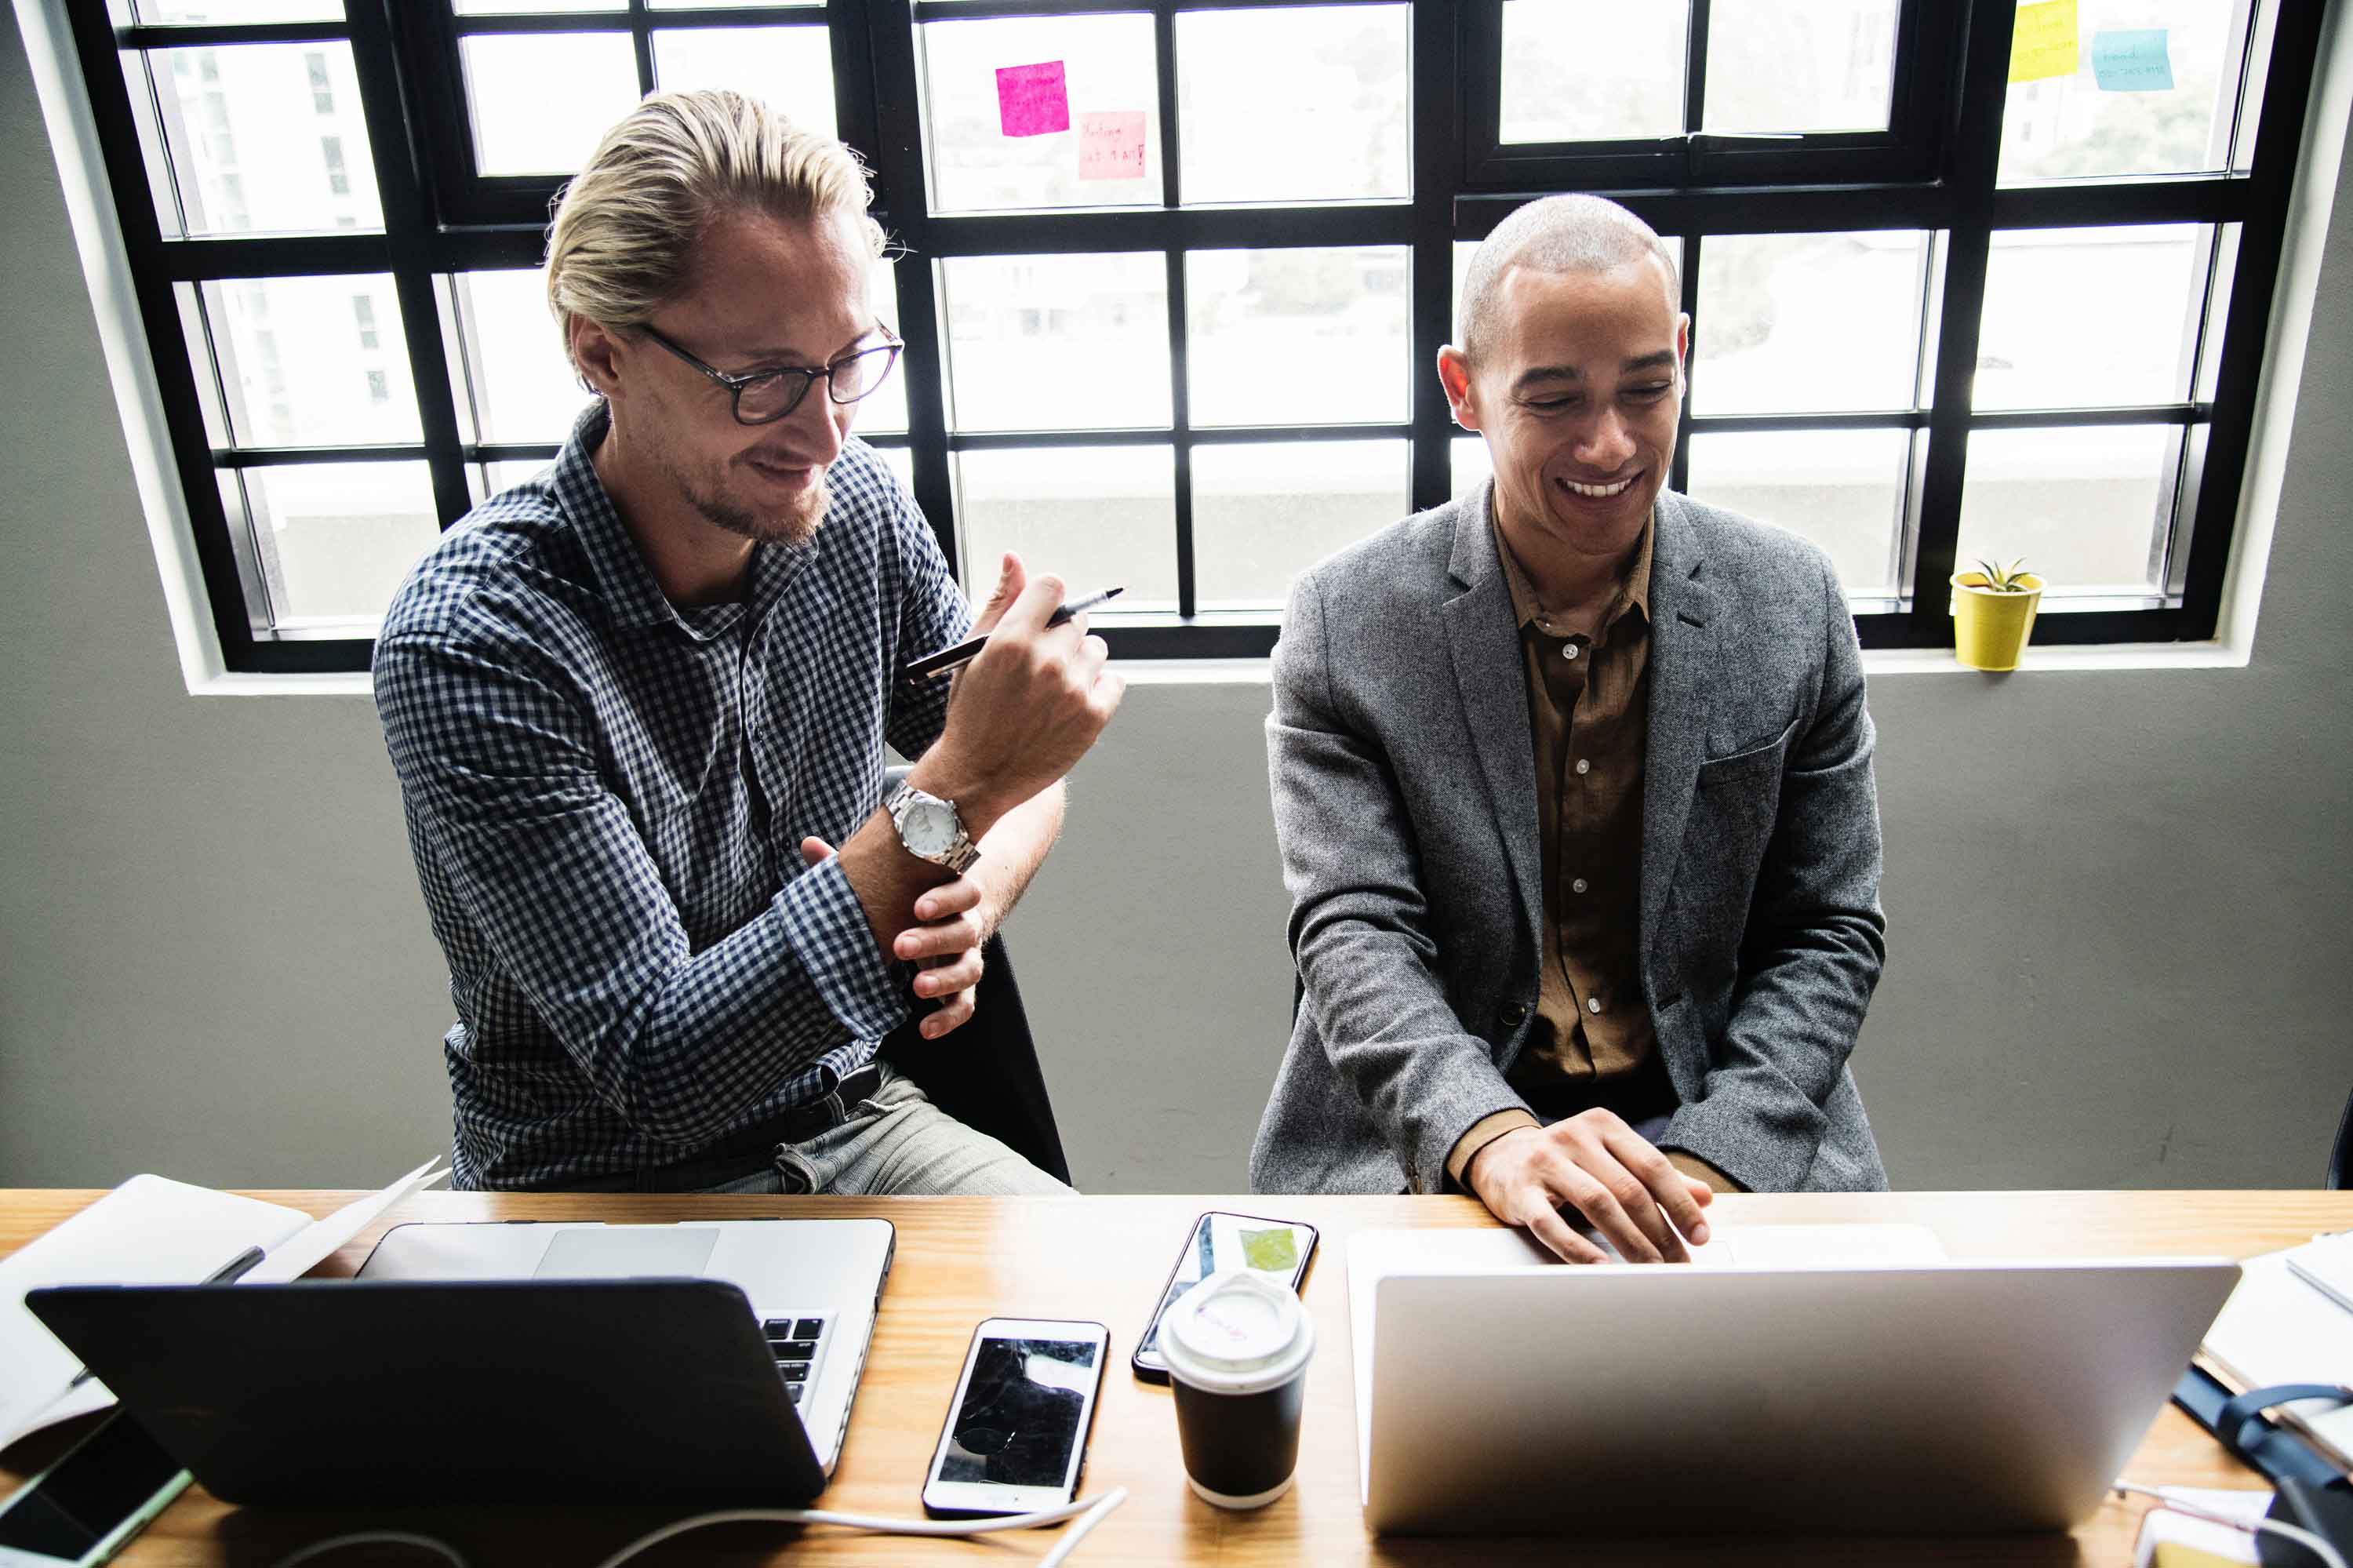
(1999, 580)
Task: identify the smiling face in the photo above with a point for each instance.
(764, 293)
(1578, 394)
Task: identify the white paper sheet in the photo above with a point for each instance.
(149, 1231)
(2278, 1327)
(152, 1231)
(299, 1254)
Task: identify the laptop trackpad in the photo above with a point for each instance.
(629, 1250)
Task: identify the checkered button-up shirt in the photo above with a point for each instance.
(605, 794)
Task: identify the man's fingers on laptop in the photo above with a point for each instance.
(1670, 1187)
(1543, 1221)
(1598, 1204)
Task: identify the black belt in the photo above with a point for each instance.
(754, 1149)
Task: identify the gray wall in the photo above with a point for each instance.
(2117, 900)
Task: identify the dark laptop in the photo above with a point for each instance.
(648, 1390)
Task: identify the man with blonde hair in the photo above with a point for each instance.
(634, 705)
(1586, 911)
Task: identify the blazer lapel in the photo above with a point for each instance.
(1484, 642)
(1683, 674)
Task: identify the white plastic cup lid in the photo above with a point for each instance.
(1237, 1332)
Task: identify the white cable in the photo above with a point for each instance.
(886, 1525)
(373, 1538)
(2302, 1536)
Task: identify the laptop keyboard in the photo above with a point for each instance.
(795, 1342)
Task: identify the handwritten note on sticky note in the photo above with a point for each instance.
(2043, 43)
(2131, 59)
(1033, 99)
(1111, 145)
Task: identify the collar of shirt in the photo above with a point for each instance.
(1634, 593)
(623, 577)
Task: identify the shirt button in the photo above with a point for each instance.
(1578, 885)
(1569, 652)
(1584, 766)
(1513, 1013)
(1592, 1004)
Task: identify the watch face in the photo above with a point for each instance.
(929, 827)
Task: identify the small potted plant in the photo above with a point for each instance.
(1993, 611)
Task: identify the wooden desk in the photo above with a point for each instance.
(961, 1259)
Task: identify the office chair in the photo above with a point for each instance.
(2342, 1155)
(986, 1074)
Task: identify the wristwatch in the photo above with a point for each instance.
(930, 829)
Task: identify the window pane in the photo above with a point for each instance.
(1472, 464)
(2082, 318)
(1056, 342)
(484, 479)
(901, 462)
(788, 67)
(1297, 337)
(884, 411)
(723, 5)
(266, 138)
(293, 368)
(977, 166)
(238, 12)
(514, 374)
(1808, 323)
(1308, 103)
(520, 128)
(1800, 65)
(1593, 73)
(335, 538)
(1265, 512)
(1097, 517)
(2117, 113)
(2086, 508)
(537, 7)
(1842, 489)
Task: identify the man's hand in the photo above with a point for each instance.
(1023, 711)
(1598, 1165)
(956, 918)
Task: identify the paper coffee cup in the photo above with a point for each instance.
(1238, 1345)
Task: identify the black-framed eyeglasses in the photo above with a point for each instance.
(764, 397)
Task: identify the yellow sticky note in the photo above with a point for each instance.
(2043, 43)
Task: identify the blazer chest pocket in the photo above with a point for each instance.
(1719, 772)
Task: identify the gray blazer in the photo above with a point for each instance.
(1405, 805)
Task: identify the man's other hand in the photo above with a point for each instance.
(1595, 1164)
(1025, 710)
(955, 919)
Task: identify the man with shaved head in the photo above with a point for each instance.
(1573, 783)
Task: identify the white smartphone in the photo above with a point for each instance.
(80, 1510)
(1016, 1437)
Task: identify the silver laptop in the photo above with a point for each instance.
(1877, 1390)
(813, 1284)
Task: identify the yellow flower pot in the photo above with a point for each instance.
(1991, 629)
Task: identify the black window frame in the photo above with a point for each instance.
(1934, 169)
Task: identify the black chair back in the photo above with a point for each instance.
(986, 1074)
(2342, 1155)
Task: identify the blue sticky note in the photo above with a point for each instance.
(2131, 59)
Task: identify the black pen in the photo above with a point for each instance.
(964, 653)
(236, 1268)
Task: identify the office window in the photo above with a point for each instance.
(1172, 272)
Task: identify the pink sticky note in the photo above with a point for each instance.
(1031, 99)
(1111, 145)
